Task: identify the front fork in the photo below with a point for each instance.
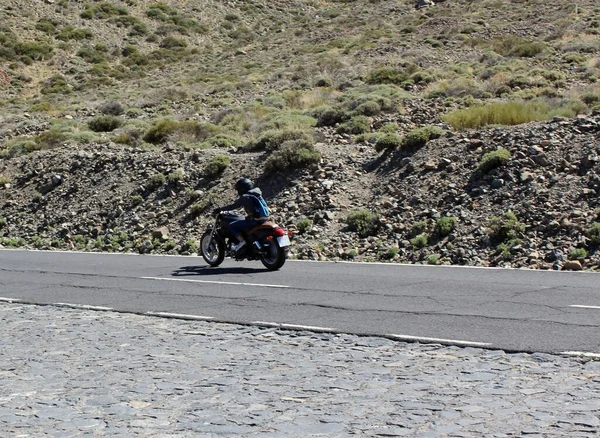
(214, 234)
(214, 228)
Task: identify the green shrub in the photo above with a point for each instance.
(84, 137)
(461, 88)
(159, 11)
(368, 108)
(131, 138)
(504, 250)
(417, 138)
(91, 56)
(518, 47)
(157, 181)
(175, 177)
(422, 77)
(330, 116)
(590, 99)
(56, 85)
(293, 154)
(46, 26)
(369, 137)
(79, 241)
(194, 130)
(3, 222)
(38, 243)
(169, 245)
(41, 107)
(133, 57)
(69, 33)
(15, 242)
(445, 225)
(388, 254)
(105, 123)
(508, 227)
(111, 108)
(33, 50)
(126, 21)
(223, 141)
(216, 166)
(363, 221)
(19, 146)
(136, 200)
(162, 12)
(138, 29)
(433, 260)
(574, 58)
(593, 233)
(386, 75)
(578, 253)
(200, 207)
(50, 139)
(418, 228)
(171, 42)
(388, 142)
(386, 97)
(303, 225)
(351, 254)
(242, 33)
(324, 82)
(494, 159)
(160, 131)
(511, 113)
(389, 128)
(191, 246)
(102, 11)
(272, 140)
(356, 125)
(193, 194)
(290, 121)
(420, 241)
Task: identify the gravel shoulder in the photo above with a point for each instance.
(68, 372)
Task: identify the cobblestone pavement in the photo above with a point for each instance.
(69, 372)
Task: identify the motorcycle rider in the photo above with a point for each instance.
(257, 211)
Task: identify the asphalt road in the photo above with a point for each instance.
(512, 310)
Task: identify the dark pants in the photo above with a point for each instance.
(238, 228)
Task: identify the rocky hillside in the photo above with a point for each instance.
(462, 133)
(110, 199)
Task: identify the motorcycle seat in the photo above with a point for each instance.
(264, 226)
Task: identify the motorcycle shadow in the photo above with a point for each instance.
(207, 270)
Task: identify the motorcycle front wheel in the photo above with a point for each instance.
(213, 250)
(274, 257)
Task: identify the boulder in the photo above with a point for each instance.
(421, 4)
(572, 265)
(161, 233)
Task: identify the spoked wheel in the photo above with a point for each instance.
(213, 250)
(274, 258)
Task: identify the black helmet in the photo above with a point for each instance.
(243, 186)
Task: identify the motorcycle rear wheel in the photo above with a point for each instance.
(213, 250)
(274, 257)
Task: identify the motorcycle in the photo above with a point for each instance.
(268, 243)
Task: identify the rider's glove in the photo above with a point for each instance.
(216, 211)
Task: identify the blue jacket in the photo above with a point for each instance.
(248, 202)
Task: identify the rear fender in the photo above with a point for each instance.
(262, 234)
(270, 239)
